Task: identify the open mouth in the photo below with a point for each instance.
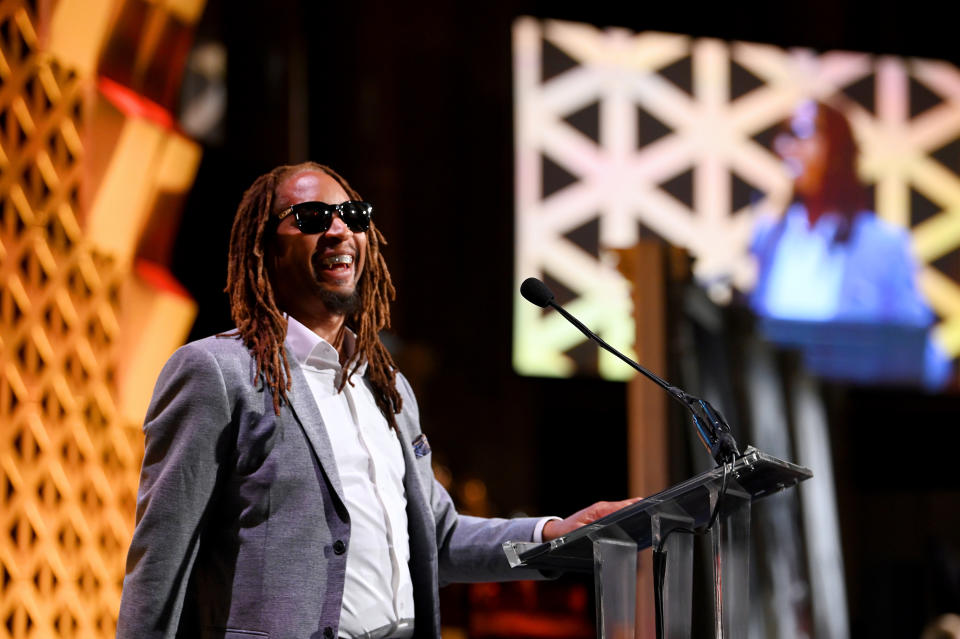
(341, 262)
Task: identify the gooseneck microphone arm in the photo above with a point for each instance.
(712, 429)
(673, 390)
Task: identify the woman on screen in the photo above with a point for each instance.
(828, 258)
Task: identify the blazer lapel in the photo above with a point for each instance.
(419, 509)
(423, 536)
(305, 410)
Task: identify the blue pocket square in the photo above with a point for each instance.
(421, 446)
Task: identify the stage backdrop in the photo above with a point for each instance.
(92, 175)
(621, 135)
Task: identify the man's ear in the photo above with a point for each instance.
(269, 248)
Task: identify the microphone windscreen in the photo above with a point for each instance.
(536, 292)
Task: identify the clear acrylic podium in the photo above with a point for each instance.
(666, 521)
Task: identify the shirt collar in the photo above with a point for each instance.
(827, 225)
(309, 349)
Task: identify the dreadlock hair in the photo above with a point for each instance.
(263, 327)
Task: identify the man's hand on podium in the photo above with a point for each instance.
(560, 527)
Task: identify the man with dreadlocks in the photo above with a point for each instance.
(286, 488)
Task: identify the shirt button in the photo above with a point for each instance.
(328, 632)
(338, 547)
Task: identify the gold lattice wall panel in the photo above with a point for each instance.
(69, 454)
(621, 135)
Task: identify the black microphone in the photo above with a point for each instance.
(712, 428)
(536, 292)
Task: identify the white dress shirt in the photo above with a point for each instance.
(377, 590)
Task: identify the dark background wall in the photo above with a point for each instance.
(413, 104)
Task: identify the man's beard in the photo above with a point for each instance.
(334, 301)
(341, 303)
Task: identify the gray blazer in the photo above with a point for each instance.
(242, 530)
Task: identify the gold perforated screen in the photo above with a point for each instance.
(68, 462)
(70, 438)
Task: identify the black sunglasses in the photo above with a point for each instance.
(316, 217)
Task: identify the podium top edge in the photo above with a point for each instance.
(755, 474)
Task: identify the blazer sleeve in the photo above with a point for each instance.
(469, 549)
(186, 442)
